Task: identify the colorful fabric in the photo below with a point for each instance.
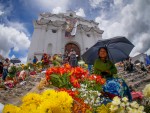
(118, 87)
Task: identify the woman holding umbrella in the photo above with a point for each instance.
(114, 86)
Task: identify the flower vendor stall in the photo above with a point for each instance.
(66, 89)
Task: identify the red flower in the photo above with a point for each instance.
(74, 82)
(73, 94)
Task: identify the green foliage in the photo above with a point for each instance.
(12, 71)
(92, 85)
(60, 81)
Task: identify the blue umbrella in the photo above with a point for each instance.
(118, 48)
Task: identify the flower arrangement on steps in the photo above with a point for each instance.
(50, 101)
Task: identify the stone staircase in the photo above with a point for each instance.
(137, 79)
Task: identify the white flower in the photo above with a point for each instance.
(92, 101)
(138, 111)
(132, 111)
(127, 104)
(122, 111)
(97, 101)
(74, 89)
(86, 102)
(141, 108)
(146, 91)
(134, 104)
(82, 85)
(82, 89)
(128, 108)
(122, 104)
(99, 94)
(116, 101)
(125, 99)
(113, 107)
(84, 95)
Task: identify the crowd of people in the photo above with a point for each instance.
(68, 57)
(129, 66)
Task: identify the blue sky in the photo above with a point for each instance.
(129, 18)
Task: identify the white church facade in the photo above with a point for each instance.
(50, 34)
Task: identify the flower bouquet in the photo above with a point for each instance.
(9, 83)
(65, 76)
(146, 99)
(50, 101)
(12, 71)
(59, 77)
(39, 66)
(121, 105)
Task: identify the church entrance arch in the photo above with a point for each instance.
(73, 46)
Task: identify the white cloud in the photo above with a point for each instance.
(118, 2)
(18, 26)
(15, 49)
(57, 10)
(130, 20)
(80, 12)
(23, 60)
(1, 13)
(12, 38)
(95, 3)
(13, 56)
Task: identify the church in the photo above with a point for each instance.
(57, 33)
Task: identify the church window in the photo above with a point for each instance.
(54, 30)
(71, 15)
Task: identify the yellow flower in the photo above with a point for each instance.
(134, 104)
(132, 111)
(146, 91)
(65, 99)
(9, 108)
(122, 105)
(116, 101)
(141, 108)
(125, 99)
(49, 94)
(31, 98)
(102, 109)
(50, 101)
(29, 107)
(49, 107)
(113, 107)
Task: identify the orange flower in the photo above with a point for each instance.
(67, 66)
(74, 82)
(103, 81)
(80, 106)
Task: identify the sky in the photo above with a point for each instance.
(129, 18)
